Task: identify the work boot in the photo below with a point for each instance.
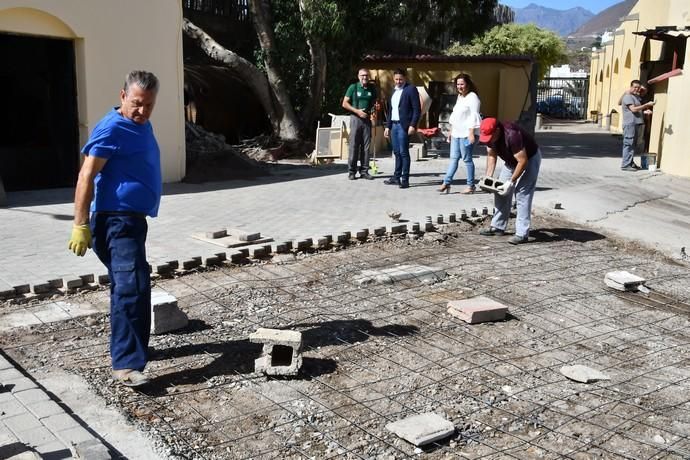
(351, 176)
(491, 231)
(391, 181)
(518, 239)
(366, 176)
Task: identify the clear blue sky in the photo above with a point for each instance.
(595, 6)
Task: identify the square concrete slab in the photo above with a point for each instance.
(422, 429)
(623, 281)
(477, 310)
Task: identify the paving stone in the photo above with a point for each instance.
(11, 408)
(72, 282)
(30, 396)
(103, 279)
(452, 217)
(222, 256)
(428, 226)
(244, 252)
(398, 228)
(55, 283)
(43, 409)
(304, 245)
(22, 288)
(174, 264)
(10, 373)
(191, 263)
(362, 234)
(22, 422)
(322, 243)
(212, 261)
(166, 315)
(342, 238)
(41, 287)
(74, 435)
(59, 422)
(216, 234)
(49, 313)
(257, 252)
(163, 269)
(439, 219)
(236, 256)
(4, 364)
(20, 384)
(422, 429)
(477, 310)
(6, 291)
(379, 231)
(414, 227)
(244, 235)
(6, 436)
(281, 248)
(54, 451)
(87, 278)
(91, 449)
(36, 436)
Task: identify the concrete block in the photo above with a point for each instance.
(348, 235)
(485, 211)
(281, 351)
(474, 213)
(221, 256)
(463, 215)
(413, 227)
(166, 316)
(277, 336)
(342, 238)
(213, 234)
(72, 282)
(623, 281)
(41, 287)
(362, 234)
(379, 231)
(322, 242)
(189, 264)
(489, 184)
(428, 227)
(477, 310)
(439, 219)
(91, 449)
(422, 429)
(452, 217)
(6, 291)
(87, 278)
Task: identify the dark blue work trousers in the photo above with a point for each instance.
(118, 241)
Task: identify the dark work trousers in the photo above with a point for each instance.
(360, 142)
(118, 241)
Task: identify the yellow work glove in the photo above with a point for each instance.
(80, 239)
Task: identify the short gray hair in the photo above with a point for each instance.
(143, 79)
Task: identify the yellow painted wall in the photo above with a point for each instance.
(668, 137)
(503, 86)
(111, 38)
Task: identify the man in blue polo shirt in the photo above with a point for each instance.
(121, 181)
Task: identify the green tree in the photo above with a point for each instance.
(544, 46)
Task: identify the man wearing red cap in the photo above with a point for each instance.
(522, 158)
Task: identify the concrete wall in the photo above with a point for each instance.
(668, 138)
(111, 38)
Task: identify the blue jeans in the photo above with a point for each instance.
(460, 147)
(401, 151)
(118, 241)
(524, 193)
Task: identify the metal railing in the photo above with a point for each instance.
(563, 97)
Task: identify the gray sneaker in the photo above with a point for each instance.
(518, 239)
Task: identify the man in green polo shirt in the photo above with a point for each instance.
(359, 99)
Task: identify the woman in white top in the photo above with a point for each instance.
(464, 122)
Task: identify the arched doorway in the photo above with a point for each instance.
(39, 145)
